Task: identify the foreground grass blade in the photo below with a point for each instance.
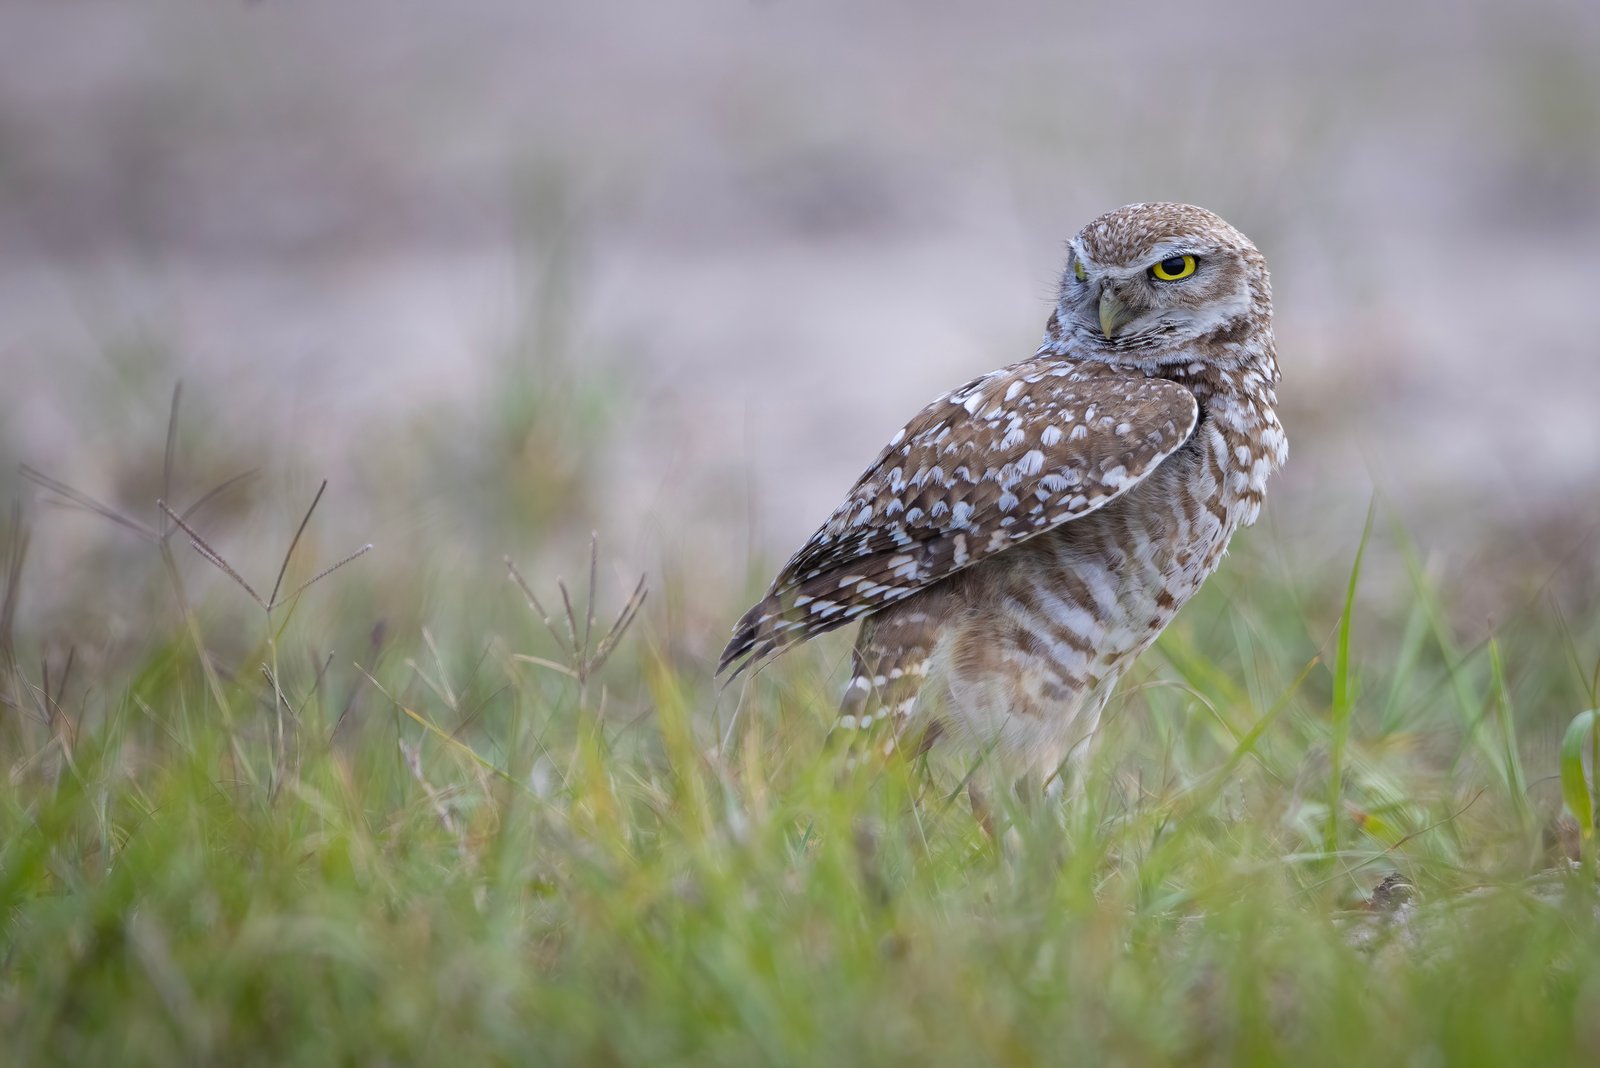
(1575, 788)
(1343, 703)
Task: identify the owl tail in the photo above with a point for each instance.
(780, 620)
(761, 632)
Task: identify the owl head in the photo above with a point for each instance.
(1147, 282)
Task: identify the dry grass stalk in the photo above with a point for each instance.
(585, 654)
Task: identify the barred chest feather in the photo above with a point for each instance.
(1033, 645)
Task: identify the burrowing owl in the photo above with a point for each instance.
(1030, 533)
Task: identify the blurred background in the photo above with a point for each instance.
(508, 272)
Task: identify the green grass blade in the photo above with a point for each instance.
(1575, 790)
(1342, 705)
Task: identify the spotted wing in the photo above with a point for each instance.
(999, 460)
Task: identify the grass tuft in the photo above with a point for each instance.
(404, 822)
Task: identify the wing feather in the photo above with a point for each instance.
(1001, 459)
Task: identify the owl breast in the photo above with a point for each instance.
(1041, 634)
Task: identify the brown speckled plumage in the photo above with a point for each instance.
(1027, 535)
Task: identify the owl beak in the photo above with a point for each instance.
(1114, 315)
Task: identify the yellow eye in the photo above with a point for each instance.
(1079, 271)
(1173, 268)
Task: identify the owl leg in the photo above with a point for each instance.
(890, 666)
(978, 798)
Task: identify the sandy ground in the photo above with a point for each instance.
(782, 227)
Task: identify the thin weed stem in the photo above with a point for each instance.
(585, 649)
